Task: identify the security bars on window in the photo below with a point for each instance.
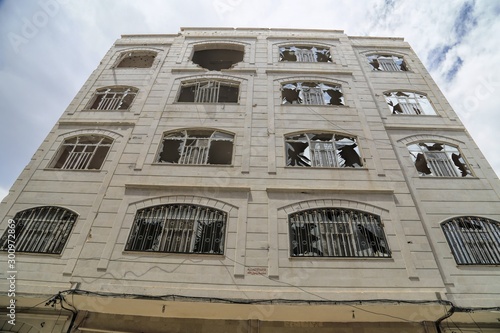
(86, 152)
(212, 91)
(311, 93)
(438, 159)
(336, 232)
(387, 63)
(178, 228)
(196, 147)
(305, 54)
(326, 150)
(473, 240)
(41, 230)
(404, 102)
(113, 98)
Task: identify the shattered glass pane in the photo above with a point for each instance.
(322, 150)
(305, 54)
(311, 93)
(387, 62)
(438, 160)
(408, 103)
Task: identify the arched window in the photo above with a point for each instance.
(209, 91)
(325, 150)
(336, 232)
(438, 160)
(137, 59)
(387, 62)
(83, 152)
(39, 230)
(473, 240)
(405, 102)
(196, 147)
(311, 93)
(178, 228)
(113, 98)
(303, 53)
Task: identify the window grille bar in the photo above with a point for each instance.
(207, 92)
(440, 164)
(304, 55)
(388, 65)
(184, 229)
(337, 233)
(473, 240)
(408, 107)
(41, 230)
(313, 97)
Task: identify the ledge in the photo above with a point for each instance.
(187, 187)
(292, 71)
(95, 122)
(328, 190)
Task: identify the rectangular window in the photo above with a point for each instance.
(209, 92)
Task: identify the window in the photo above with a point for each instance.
(211, 91)
(196, 147)
(403, 102)
(387, 63)
(326, 150)
(83, 152)
(118, 98)
(336, 232)
(438, 159)
(40, 230)
(178, 228)
(137, 59)
(305, 54)
(473, 240)
(219, 57)
(311, 93)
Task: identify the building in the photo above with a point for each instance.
(255, 180)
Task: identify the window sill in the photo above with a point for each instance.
(316, 105)
(84, 170)
(220, 103)
(341, 258)
(175, 254)
(324, 168)
(195, 165)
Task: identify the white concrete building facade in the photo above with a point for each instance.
(254, 180)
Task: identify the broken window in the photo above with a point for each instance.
(336, 232)
(116, 98)
(473, 240)
(387, 63)
(326, 150)
(211, 91)
(218, 58)
(137, 59)
(311, 93)
(403, 102)
(438, 159)
(196, 147)
(178, 228)
(84, 152)
(40, 230)
(305, 54)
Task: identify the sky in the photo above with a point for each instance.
(48, 49)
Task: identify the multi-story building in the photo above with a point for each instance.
(254, 180)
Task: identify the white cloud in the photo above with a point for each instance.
(38, 82)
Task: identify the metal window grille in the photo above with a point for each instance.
(473, 240)
(313, 96)
(82, 153)
(388, 65)
(195, 147)
(440, 164)
(207, 92)
(323, 154)
(41, 230)
(114, 99)
(305, 55)
(409, 107)
(336, 232)
(178, 228)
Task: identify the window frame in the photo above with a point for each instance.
(333, 157)
(212, 221)
(360, 234)
(38, 230)
(112, 103)
(387, 57)
(205, 149)
(464, 233)
(135, 53)
(315, 90)
(432, 162)
(219, 82)
(404, 98)
(314, 49)
(76, 158)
